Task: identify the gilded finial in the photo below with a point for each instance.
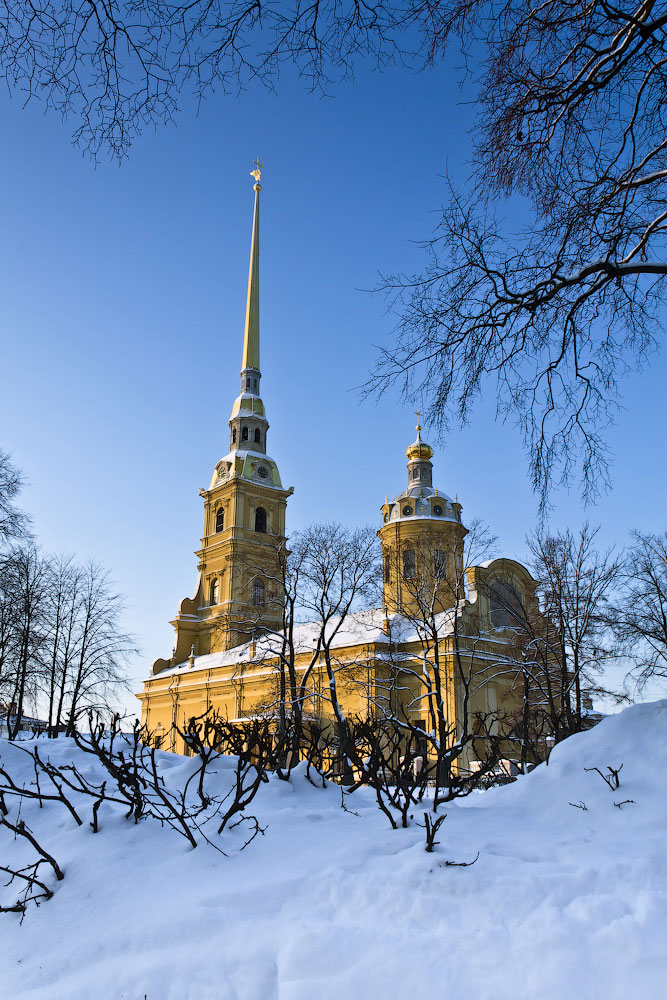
(419, 449)
(257, 174)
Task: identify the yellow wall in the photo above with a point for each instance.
(249, 686)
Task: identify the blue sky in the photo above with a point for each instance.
(123, 305)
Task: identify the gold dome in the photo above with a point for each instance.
(419, 450)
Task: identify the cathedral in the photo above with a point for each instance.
(219, 662)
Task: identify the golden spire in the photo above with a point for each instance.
(251, 334)
(419, 449)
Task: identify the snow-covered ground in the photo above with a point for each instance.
(562, 903)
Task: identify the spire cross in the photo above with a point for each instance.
(418, 428)
(257, 172)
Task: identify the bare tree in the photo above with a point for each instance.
(332, 571)
(531, 656)
(62, 599)
(14, 523)
(61, 641)
(102, 648)
(433, 610)
(9, 625)
(392, 757)
(570, 100)
(23, 578)
(117, 67)
(575, 583)
(326, 572)
(340, 573)
(279, 641)
(639, 617)
(550, 311)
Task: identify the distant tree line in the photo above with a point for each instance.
(62, 647)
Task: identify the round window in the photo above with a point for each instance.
(262, 472)
(407, 510)
(437, 510)
(386, 517)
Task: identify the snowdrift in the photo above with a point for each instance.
(563, 901)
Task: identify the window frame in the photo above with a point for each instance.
(439, 564)
(261, 518)
(509, 619)
(409, 564)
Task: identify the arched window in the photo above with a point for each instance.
(409, 564)
(220, 519)
(244, 434)
(234, 436)
(506, 607)
(254, 382)
(257, 435)
(415, 473)
(258, 593)
(214, 593)
(260, 519)
(439, 564)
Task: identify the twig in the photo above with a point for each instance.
(610, 779)
(432, 827)
(345, 808)
(459, 864)
(21, 830)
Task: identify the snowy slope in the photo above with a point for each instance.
(562, 903)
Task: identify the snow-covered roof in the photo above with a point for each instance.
(250, 405)
(358, 629)
(245, 462)
(26, 720)
(500, 559)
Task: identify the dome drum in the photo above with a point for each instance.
(417, 504)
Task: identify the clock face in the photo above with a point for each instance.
(437, 510)
(407, 511)
(263, 472)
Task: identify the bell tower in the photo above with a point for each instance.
(422, 542)
(239, 592)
